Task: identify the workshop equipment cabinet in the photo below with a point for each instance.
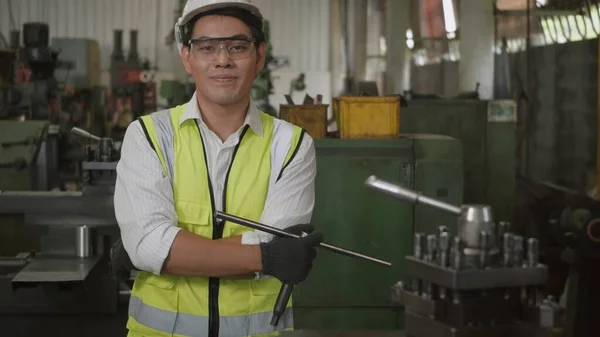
(344, 293)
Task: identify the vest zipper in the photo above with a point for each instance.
(218, 226)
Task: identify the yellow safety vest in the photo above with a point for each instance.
(200, 306)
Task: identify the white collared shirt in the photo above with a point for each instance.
(144, 205)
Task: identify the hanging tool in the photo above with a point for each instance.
(286, 289)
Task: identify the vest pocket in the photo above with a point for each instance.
(153, 305)
(194, 213)
(163, 282)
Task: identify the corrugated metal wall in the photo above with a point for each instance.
(299, 28)
(97, 20)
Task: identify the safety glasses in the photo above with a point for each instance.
(208, 49)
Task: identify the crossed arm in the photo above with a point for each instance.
(145, 211)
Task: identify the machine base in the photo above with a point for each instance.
(421, 326)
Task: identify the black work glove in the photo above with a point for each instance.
(120, 263)
(288, 259)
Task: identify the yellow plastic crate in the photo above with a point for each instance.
(367, 116)
(312, 118)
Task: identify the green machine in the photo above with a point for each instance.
(488, 131)
(22, 155)
(343, 293)
(23, 167)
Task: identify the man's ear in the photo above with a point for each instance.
(261, 53)
(185, 57)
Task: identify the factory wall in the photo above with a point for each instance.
(563, 117)
(97, 19)
(439, 79)
(299, 30)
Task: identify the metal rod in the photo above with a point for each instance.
(405, 194)
(279, 232)
(533, 251)
(85, 134)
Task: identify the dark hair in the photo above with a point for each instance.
(252, 21)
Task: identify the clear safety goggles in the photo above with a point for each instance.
(208, 49)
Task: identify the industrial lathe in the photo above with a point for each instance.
(483, 281)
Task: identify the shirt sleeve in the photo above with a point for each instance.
(143, 201)
(291, 199)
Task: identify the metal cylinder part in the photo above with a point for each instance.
(430, 252)
(419, 253)
(443, 257)
(444, 246)
(457, 253)
(419, 245)
(118, 45)
(507, 249)
(83, 241)
(517, 250)
(402, 193)
(484, 238)
(441, 229)
(133, 45)
(105, 147)
(430, 247)
(473, 220)
(532, 252)
(503, 227)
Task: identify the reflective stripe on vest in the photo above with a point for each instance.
(194, 306)
(197, 326)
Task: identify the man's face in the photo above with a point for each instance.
(225, 79)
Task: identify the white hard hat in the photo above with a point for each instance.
(195, 7)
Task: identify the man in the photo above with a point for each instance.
(199, 276)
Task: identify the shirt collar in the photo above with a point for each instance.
(253, 119)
